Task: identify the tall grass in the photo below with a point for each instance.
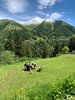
(64, 88)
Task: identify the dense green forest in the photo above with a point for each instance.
(47, 39)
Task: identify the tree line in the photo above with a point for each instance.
(40, 47)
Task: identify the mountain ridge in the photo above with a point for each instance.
(44, 40)
(54, 28)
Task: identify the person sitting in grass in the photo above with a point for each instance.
(29, 66)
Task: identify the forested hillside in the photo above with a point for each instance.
(12, 34)
(57, 28)
(44, 40)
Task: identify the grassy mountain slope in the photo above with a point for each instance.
(12, 35)
(30, 27)
(13, 78)
(57, 28)
(8, 27)
(3, 24)
(63, 28)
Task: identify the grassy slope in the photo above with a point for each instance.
(13, 78)
(30, 27)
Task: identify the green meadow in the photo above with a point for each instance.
(13, 78)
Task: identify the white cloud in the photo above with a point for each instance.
(55, 16)
(45, 3)
(15, 6)
(37, 20)
(26, 18)
(42, 13)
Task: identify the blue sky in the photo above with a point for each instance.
(35, 11)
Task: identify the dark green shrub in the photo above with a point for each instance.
(7, 57)
(65, 50)
(68, 85)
